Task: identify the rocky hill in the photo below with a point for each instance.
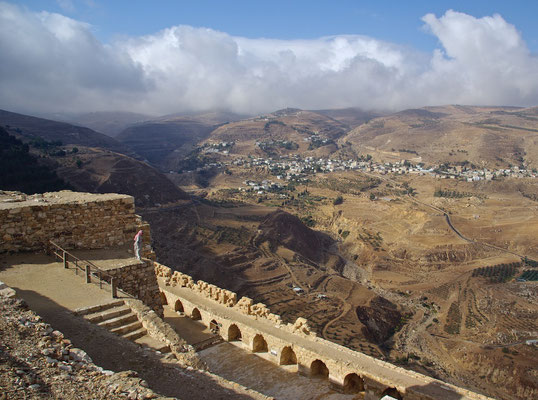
(283, 229)
(21, 170)
(84, 159)
(282, 132)
(352, 117)
(162, 143)
(99, 171)
(484, 136)
(31, 127)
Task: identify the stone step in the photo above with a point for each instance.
(124, 329)
(135, 334)
(99, 307)
(108, 314)
(118, 321)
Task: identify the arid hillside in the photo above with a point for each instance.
(99, 171)
(484, 136)
(62, 149)
(282, 132)
(352, 117)
(400, 263)
(31, 127)
(453, 323)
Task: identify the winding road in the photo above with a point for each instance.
(447, 218)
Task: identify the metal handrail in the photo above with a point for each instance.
(90, 269)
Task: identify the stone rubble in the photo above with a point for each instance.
(37, 362)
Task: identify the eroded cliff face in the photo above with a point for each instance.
(380, 318)
(283, 229)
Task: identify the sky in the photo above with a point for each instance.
(251, 57)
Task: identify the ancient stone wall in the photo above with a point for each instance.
(159, 330)
(262, 331)
(245, 305)
(73, 220)
(139, 280)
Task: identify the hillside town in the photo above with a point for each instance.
(294, 168)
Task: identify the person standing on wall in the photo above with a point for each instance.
(138, 244)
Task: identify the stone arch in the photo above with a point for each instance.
(178, 306)
(353, 383)
(287, 356)
(319, 369)
(214, 326)
(259, 345)
(164, 302)
(392, 392)
(234, 333)
(195, 314)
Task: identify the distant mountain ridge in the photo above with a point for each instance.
(97, 164)
(47, 129)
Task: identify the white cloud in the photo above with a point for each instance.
(54, 63)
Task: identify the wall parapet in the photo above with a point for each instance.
(139, 281)
(377, 376)
(71, 219)
(245, 305)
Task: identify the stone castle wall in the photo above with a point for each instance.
(76, 220)
(376, 375)
(139, 280)
(245, 305)
(73, 220)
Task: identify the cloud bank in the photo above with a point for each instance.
(52, 63)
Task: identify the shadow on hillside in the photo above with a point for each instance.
(117, 354)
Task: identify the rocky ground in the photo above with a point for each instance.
(38, 362)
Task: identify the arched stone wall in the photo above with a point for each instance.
(287, 356)
(353, 383)
(341, 375)
(214, 326)
(319, 368)
(195, 314)
(259, 344)
(178, 306)
(163, 299)
(234, 333)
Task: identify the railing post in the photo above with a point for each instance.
(114, 286)
(65, 260)
(76, 266)
(88, 274)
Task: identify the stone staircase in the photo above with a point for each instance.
(118, 318)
